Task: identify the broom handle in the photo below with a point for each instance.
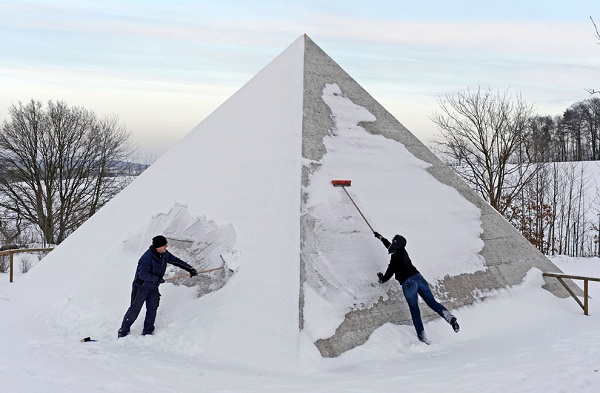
(362, 215)
(187, 275)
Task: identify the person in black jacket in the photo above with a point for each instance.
(149, 275)
(413, 284)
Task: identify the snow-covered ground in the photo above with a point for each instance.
(525, 340)
(231, 189)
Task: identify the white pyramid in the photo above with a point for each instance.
(251, 185)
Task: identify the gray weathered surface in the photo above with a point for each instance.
(508, 255)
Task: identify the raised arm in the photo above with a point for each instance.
(385, 241)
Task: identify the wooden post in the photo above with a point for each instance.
(11, 266)
(585, 297)
(585, 305)
(11, 252)
(564, 284)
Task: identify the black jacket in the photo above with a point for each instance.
(400, 263)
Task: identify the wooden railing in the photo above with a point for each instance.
(18, 250)
(561, 276)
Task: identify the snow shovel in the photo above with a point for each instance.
(200, 272)
(347, 183)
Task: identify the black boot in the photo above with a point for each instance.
(148, 332)
(454, 324)
(122, 333)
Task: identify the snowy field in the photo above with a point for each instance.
(231, 189)
(525, 340)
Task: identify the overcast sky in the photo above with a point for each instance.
(163, 66)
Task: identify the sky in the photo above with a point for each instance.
(163, 66)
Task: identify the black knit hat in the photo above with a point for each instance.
(159, 241)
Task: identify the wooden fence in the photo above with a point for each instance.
(561, 276)
(18, 250)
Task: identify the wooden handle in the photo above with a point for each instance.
(188, 274)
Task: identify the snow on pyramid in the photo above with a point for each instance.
(458, 241)
(251, 185)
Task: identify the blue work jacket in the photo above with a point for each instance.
(152, 265)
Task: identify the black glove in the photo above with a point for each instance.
(193, 273)
(380, 275)
(377, 235)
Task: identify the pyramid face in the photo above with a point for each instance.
(251, 185)
(460, 272)
(236, 175)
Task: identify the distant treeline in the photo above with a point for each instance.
(572, 136)
(558, 210)
(540, 172)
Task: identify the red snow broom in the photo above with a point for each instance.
(347, 183)
(341, 183)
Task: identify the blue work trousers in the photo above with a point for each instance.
(140, 294)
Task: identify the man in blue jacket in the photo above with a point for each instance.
(149, 275)
(413, 284)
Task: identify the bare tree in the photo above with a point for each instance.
(11, 228)
(59, 165)
(538, 139)
(481, 132)
(555, 212)
(592, 91)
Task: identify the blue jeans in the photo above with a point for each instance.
(418, 285)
